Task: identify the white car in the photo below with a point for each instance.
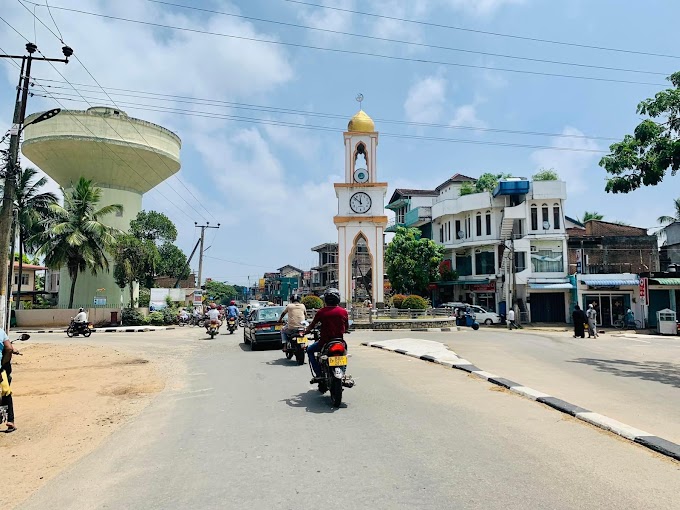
(484, 316)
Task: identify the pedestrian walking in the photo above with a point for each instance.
(580, 322)
(6, 401)
(511, 319)
(591, 314)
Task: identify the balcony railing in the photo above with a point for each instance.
(392, 225)
(418, 216)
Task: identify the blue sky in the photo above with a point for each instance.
(270, 185)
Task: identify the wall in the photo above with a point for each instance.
(60, 316)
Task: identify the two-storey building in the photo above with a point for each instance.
(506, 246)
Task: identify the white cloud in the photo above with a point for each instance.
(572, 166)
(426, 100)
(327, 19)
(466, 115)
(481, 8)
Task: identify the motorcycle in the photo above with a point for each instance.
(297, 345)
(213, 328)
(183, 321)
(333, 362)
(79, 328)
(231, 325)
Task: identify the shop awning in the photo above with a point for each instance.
(606, 282)
(550, 286)
(664, 281)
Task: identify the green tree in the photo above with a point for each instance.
(172, 262)
(667, 220)
(488, 181)
(594, 215)
(312, 302)
(131, 259)
(412, 262)
(643, 158)
(219, 292)
(75, 236)
(467, 188)
(546, 174)
(32, 206)
(153, 226)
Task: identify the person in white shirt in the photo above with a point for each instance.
(213, 315)
(81, 317)
(297, 313)
(511, 319)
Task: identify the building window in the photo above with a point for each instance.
(485, 263)
(478, 224)
(458, 230)
(520, 261)
(546, 217)
(534, 217)
(556, 216)
(468, 227)
(24, 279)
(488, 223)
(464, 264)
(441, 233)
(546, 261)
(448, 226)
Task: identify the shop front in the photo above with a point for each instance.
(548, 299)
(664, 293)
(484, 294)
(611, 295)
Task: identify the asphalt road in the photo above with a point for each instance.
(245, 430)
(633, 378)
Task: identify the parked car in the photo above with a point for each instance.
(485, 316)
(452, 305)
(262, 327)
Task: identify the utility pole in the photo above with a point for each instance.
(200, 253)
(7, 208)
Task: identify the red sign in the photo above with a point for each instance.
(483, 287)
(644, 291)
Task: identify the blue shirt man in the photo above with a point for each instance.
(232, 311)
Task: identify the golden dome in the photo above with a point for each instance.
(361, 123)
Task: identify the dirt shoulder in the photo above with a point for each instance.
(67, 399)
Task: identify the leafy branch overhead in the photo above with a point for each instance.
(643, 158)
(412, 262)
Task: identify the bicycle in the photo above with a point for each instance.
(621, 324)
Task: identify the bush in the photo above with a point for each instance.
(312, 302)
(156, 318)
(398, 300)
(414, 303)
(546, 174)
(169, 315)
(133, 317)
(144, 298)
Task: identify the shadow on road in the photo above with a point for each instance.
(245, 347)
(313, 402)
(658, 371)
(282, 362)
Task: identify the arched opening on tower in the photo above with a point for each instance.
(361, 163)
(361, 264)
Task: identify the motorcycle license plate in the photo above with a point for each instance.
(337, 361)
(277, 328)
(302, 340)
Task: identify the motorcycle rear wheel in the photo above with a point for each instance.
(87, 332)
(336, 392)
(300, 357)
(289, 354)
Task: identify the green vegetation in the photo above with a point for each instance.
(643, 158)
(587, 216)
(414, 303)
(488, 181)
(546, 174)
(219, 292)
(412, 262)
(312, 302)
(397, 300)
(74, 235)
(467, 188)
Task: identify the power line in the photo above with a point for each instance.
(210, 115)
(237, 263)
(172, 174)
(485, 32)
(298, 112)
(360, 53)
(401, 41)
(97, 138)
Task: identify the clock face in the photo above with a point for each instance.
(360, 203)
(361, 175)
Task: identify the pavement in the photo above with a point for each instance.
(246, 430)
(114, 329)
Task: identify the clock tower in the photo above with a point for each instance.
(361, 218)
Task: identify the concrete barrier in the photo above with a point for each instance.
(413, 324)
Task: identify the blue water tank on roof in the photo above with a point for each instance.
(512, 187)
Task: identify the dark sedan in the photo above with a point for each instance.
(263, 327)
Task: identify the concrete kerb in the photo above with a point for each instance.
(444, 356)
(101, 330)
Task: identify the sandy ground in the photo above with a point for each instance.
(67, 399)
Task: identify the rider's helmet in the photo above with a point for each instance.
(81, 310)
(295, 298)
(232, 303)
(332, 297)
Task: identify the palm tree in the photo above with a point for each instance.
(75, 237)
(667, 220)
(587, 216)
(32, 207)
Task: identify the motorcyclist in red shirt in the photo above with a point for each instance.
(334, 324)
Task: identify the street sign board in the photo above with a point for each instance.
(644, 291)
